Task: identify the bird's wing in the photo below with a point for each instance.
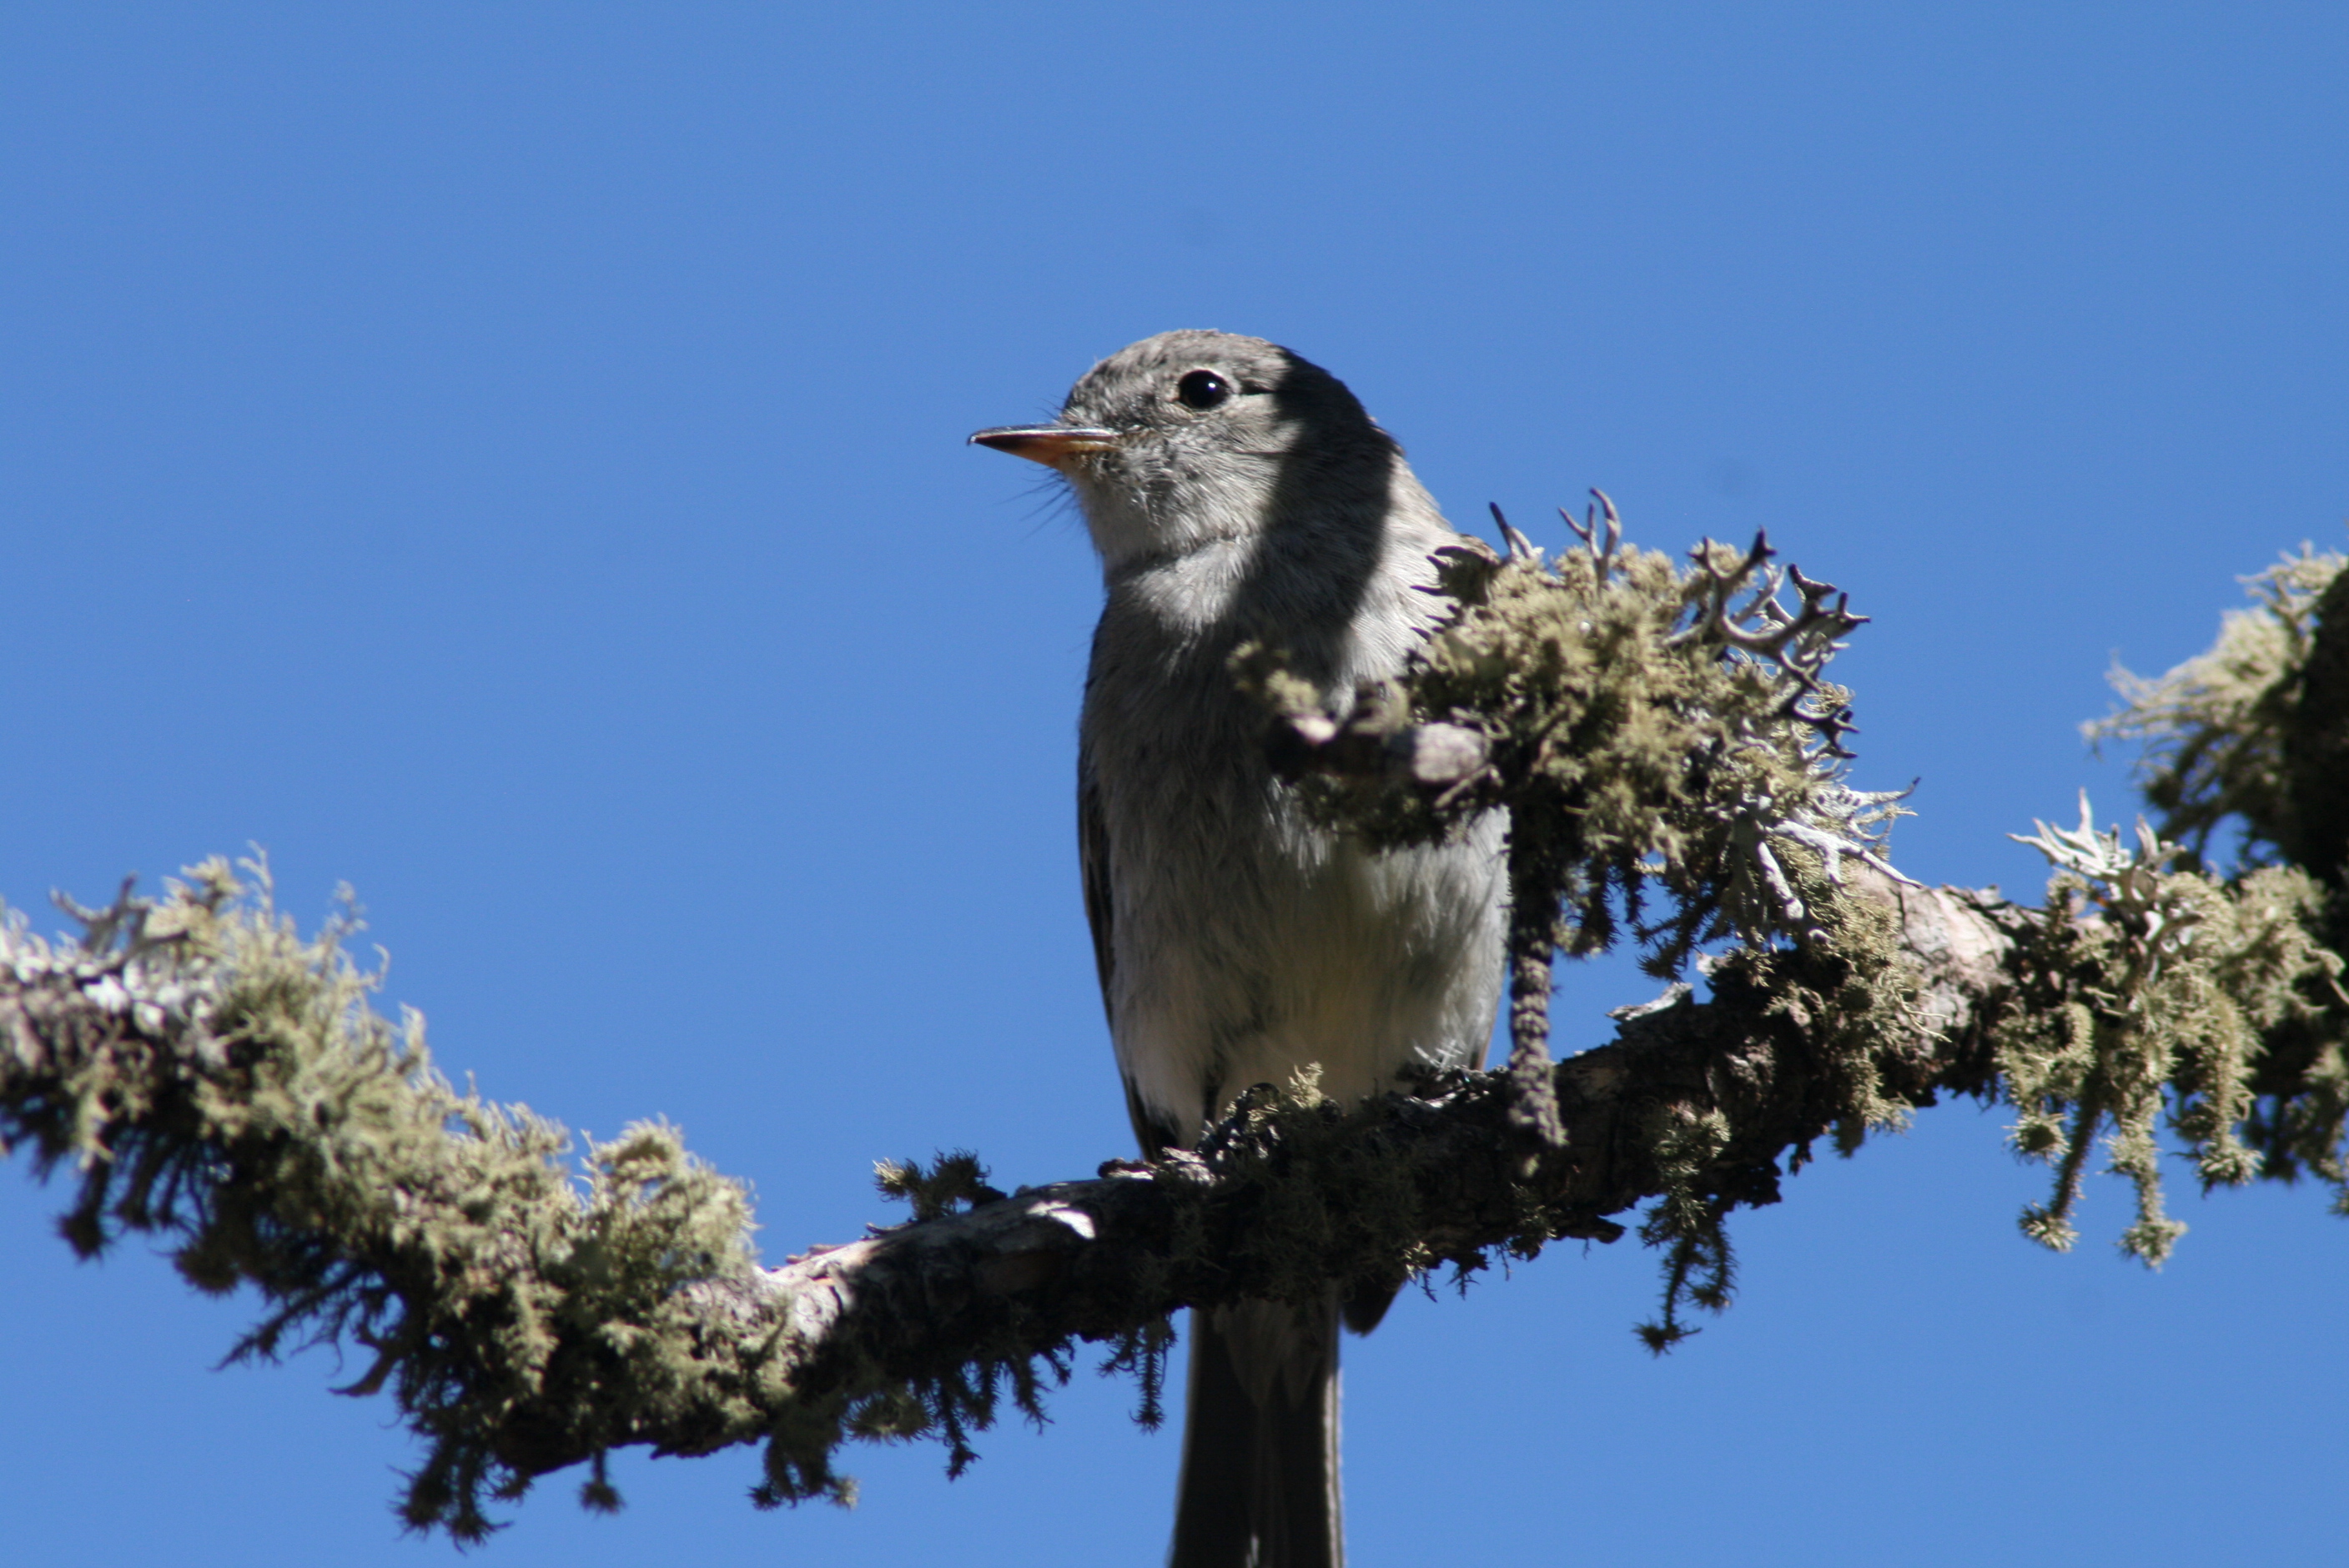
(1093, 862)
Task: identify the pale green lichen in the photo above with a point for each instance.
(1668, 752)
(255, 1108)
(2214, 730)
(2144, 1000)
(1665, 728)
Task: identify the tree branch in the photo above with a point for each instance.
(213, 1078)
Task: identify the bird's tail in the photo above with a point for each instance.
(1260, 1485)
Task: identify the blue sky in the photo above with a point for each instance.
(509, 459)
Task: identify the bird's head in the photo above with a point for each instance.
(1192, 438)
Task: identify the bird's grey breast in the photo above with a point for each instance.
(1247, 941)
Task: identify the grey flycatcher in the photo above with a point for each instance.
(1236, 493)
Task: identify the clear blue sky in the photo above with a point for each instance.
(509, 458)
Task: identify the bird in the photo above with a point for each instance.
(1236, 493)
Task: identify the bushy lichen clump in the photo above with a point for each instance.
(2202, 999)
(1669, 752)
(244, 1099)
(1663, 732)
(2145, 998)
(2218, 730)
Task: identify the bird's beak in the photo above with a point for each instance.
(1050, 445)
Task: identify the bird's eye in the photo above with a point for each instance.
(1202, 389)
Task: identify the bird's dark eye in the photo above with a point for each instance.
(1202, 389)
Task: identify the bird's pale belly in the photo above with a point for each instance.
(1303, 948)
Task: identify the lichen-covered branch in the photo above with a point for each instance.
(215, 1079)
(212, 1078)
(1649, 728)
(208, 1076)
(1646, 731)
